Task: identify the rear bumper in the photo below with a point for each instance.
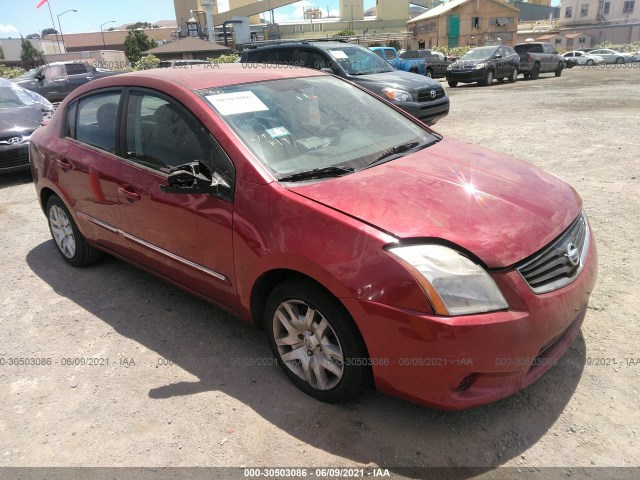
(463, 362)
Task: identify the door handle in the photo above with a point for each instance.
(129, 192)
(64, 164)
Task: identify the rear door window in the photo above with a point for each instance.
(97, 119)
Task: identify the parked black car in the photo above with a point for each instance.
(55, 81)
(420, 96)
(21, 112)
(483, 65)
(436, 62)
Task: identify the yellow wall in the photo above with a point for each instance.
(392, 10)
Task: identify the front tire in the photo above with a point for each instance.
(488, 79)
(619, 60)
(452, 83)
(315, 342)
(590, 62)
(65, 233)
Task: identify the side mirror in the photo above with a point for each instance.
(195, 177)
(40, 76)
(327, 70)
(497, 56)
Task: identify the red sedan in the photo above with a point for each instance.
(369, 248)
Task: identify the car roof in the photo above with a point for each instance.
(303, 43)
(207, 76)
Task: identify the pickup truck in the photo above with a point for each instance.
(537, 58)
(435, 62)
(55, 81)
(412, 65)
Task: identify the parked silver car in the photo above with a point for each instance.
(576, 57)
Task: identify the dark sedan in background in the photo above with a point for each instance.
(483, 65)
(21, 112)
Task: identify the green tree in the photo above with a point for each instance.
(395, 44)
(136, 43)
(48, 31)
(33, 35)
(29, 53)
(137, 25)
(345, 33)
(229, 58)
(147, 62)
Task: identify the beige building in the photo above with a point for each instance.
(566, 41)
(616, 21)
(465, 23)
(108, 40)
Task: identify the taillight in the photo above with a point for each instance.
(528, 58)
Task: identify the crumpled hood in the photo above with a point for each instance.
(21, 119)
(500, 209)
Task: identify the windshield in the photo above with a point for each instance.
(479, 53)
(31, 73)
(302, 125)
(358, 60)
(528, 48)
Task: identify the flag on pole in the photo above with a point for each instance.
(41, 3)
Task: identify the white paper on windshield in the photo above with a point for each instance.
(238, 102)
(278, 132)
(338, 54)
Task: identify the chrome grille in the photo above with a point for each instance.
(559, 263)
(425, 94)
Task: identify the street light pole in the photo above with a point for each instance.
(102, 32)
(60, 27)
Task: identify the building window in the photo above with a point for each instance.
(558, 41)
(475, 22)
(606, 8)
(568, 13)
(628, 6)
(584, 10)
(501, 21)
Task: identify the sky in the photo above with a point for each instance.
(21, 16)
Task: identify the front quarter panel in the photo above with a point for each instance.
(275, 228)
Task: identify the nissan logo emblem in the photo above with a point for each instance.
(433, 93)
(14, 140)
(572, 254)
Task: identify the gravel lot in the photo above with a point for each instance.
(172, 394)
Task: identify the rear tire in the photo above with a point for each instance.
(429, 73)
(535, 72)
(513, 78)
(558, 71)
(452, 83)
(315, 342)
(68, 240)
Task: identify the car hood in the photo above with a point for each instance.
(405, 80)
(21, 119)
(498, 208)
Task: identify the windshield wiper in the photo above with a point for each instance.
(324, 172)
(398, 151)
